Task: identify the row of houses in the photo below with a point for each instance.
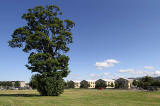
(92, 83)
(109, 83)
(22, 84)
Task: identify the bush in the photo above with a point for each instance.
(156, 83)
(17, 84)
(33, 83)
(135, 83)
(50, 86)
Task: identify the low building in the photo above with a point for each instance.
(124, 83)
(22, 84)
(92, 83)
(110, 83)
(130, 83)
(76, 84)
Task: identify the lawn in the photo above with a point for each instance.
(81, 97)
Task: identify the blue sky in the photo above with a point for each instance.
(112, 38)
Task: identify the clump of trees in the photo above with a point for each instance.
(69, 84)
(9, 84)
(84, 84)
(46, 38)
(17, 84)
(33, 82)
(135, 82)
(121, 83)
(6, 84)
(147, 82)
(100, 84)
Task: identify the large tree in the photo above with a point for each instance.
(84, 84)
(135, 82)
(46, 37)
(145, 82)
(17, 84)
(33, 82)
(100, 84)
(121, 83)
(70, 84)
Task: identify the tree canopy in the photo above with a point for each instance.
(135, 82)
(70, 84)
(121, 83)
(17, 84)
(33, 82)
(147, 82)
(46, 37)
(84, 84)
(101, 84)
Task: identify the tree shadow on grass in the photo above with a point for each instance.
(20, 95)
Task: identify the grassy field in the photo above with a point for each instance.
(81, 97)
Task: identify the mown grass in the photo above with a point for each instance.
(81, 97)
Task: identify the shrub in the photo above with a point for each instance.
(50, 86)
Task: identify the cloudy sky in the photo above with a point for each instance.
(112, 38)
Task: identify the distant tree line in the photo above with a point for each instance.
(8, 84)
(147, 82)
(71, 84)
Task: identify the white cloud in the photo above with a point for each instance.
(73, 76)
(106, 73)
(139, 72)
(148, 67)
(106, 64)
(94, 75)
(126, 71)
(157, 73)
(99, 76)
(144, 73)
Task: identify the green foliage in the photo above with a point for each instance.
(46, 37)
(50, 86)
(135, 82)
(121, 83)
(156, 83)
(33, 82)
(100, 84)
(147, 81)
(6, 84)
(17, 84)
(70, 84)
(84, 84)
(9, 84)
